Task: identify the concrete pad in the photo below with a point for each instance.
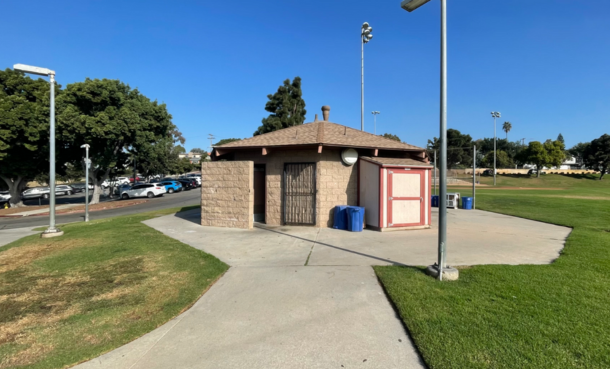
(474, 237)
(238, 247)
(280, 317)
(9, 235)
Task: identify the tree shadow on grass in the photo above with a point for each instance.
(589, 176)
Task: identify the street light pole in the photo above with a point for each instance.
(52, 231)
(87, 166)
(411, 5)
(365, 37)
(375, 120)
(495, 115)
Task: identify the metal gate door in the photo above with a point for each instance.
(300, 193)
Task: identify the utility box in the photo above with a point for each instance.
(395, 193)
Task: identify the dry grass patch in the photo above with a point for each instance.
(101, 285)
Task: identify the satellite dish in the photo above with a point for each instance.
(349, 156)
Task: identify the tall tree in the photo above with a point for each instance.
(560, 139)
(197, 150)
(24, 127)
(551, 153)
(597, 155)
(118, 122)
(503, 160)
(459, 148)
(391, 136)
(286, 106)
(506, 127)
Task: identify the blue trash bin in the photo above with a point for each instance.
(435, 201)
(467, 203)
(355, 218)
(340, 217)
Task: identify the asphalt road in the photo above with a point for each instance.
(186, 198)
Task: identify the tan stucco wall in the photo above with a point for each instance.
(336, 183)
(227, 195)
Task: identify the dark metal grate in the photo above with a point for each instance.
(300, 193)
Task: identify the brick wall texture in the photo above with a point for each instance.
(336, 183)
(227, 195)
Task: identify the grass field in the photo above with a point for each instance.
(104, 283)
(549, 316)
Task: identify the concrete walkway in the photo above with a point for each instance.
(9, 235)
(299, 297)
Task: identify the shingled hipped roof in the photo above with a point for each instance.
(320, 133)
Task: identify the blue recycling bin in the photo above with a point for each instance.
(435, 201)
(467, 203)
(340, 217)
(355, 218)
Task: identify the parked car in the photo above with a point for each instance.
(36, 193)
(171, 186)
(5, 196)
(196, 177)
(489, 172)
(115, 182)
(187, 184)
(138, 179)
(535, 171)
(64, 190)
(80, 187)
(143, 190)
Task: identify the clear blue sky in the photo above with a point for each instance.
(544, 64)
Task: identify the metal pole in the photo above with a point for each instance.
(442, 210)
(52, 228)
(362, 86)
(435, 173)
(87, 184)
(494, 151)
(474, 173)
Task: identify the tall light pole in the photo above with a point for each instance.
(87, 166)
(411, 5)
(52, 231)
(495, 115)
(365, 36)
(375, 120)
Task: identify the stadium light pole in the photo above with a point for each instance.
(52, 231)
(365, 36)
(411, 5)
(495, 115)
(375, 120)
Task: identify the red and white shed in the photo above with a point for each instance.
(395, 193)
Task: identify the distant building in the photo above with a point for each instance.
(193, 157)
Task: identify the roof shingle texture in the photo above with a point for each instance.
(321, 133)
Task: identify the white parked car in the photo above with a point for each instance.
(5, 196)
(116, 182)
(196, 177)
(143, 190)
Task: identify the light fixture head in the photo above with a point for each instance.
(365, 25)
(410, 5)
(370, 29)
(33, 70)
(369, 36)
(85, 146)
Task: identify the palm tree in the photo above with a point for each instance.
(506, 127)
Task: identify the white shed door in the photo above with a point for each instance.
(406, 197)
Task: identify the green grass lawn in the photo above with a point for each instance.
(528, 316)
(104, 283)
